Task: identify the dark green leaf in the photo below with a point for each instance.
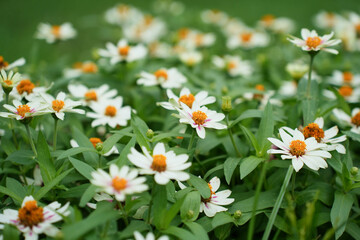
(201, 185)
(83, 168)
(190, 208)
(46, 164)
(248, 165)
(229, 167)
(340, 212)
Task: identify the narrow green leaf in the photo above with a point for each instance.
(352, 135)
(229, 167)
(47, 167)
(16, 187)
(23, 157)
(83, 168)
(251, 138)
(340, 212)
(88, 195)
(353, 230)
(248, 165)
(169, 214)
(10, 193)
(197, 230)
(113, 139)
(180, 233)
(82, 140)
(159, 202)
(11, 232)
(73, 151)
(201, 185)
(140, 128)
(266, 129)
(221, 218)
(135, 225)
(123, 159)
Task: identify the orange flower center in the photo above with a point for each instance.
(260, 88)
(183, 33)
(246, 37)
(89, 67)
(25, 86)
(313, 130)
(110, 111)
(91, 96)
(268, 19)
(356, 119)
(211, 189)
(3, 64)
(30, 214)
(199, 39)
(357, 27)
(346, 91)
(55, 30)
(8, 82)
(124, 51)
(159, 163)
(187, 99)
(95, 141)
(22, 110)
(148, 20)
(161, 73)
(123, 8)
(119, 183)
(57, 105)
(297, 148)
(231, 65)
(78, 65)
(347, 76)
(313, 42)
(199, 117)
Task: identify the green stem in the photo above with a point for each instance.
(192, 140)
(312, 56)
(55, 133)
(105, 231)
(30, 139)
(278, 203)
(151, 202)
(231, 136)
(11, 123)
(123, 213)
(256, 199)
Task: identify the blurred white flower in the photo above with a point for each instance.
(214, 16)
(149, 236)
(166, 78)
(277, 24)
(123, 15)
(52, 33)
(80, 68)
(340, 78)
(190, 58)
(353, 120)
(248, 38)
(8, 66)
(88, 96)
(233, 65)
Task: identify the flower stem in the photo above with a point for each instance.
(11, 122)
(55, 133)
(312, 56)
(231, 136)
(278, 203)
(123, 213)
(256, 199)
(151, 202)
(192, 140)
(30, 139)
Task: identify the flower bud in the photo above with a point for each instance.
(101, 130)
(237, 214)
(190, 214)
(226, 104)
(224, 90)
(99, 147)
(354, 171)
(150, 133)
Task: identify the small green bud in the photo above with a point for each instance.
(226, 104)
(224, 90)
(150, 133)
(354, 171)
(237, 214)
(190, 214)
(99, 147)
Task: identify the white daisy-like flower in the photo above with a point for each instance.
(61, 104)
(52, 33)
(33, 220)
(28, 90)
(9, 80)
(8, 66)
(110, 112)
(94, 142)
(80, 68)
(191, 58)
(200, 117)
(288, 88)
(191, 38)
(340, 78)
(315, 130)
(233, 65)
(350, 94)
(123, 52)
(166, 78)
(233, 26)
(20, 111)
(277, 24)
(248, 38)
(214, 16)
(261, 95)
(311, 41)
(119, 182)
(88, 96)
(353, 120)
(123, 15)
(297, 69)
(160, 50)
(188, 98)
(149, 236)
(163, 165)
(300, 150)
(326, 19)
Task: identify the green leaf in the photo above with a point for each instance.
(168, 214)
(113, 139)
(353, 230)
(135, 225)
(214, 169)
(44, 190)
(73, 151)
(16, 187)
(88, 195)
(83, 168)
(11, 232)
(180, 233)
(23, 157)
(266, 130)
(47, 167)
(352, 135)
(123, 159)
(197, 230)
(191, 204)
(140, 128)
(252, 113)
(340, 212)
(159, 202)
(248, 165)
(251, 138)
(229, 167)
(201, 185)
(83, 141)
(162, 136)
(10, 193)
(221, 218)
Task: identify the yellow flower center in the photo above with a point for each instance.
(260, 88)
(91, 96)
(347, 76)
(110, 111)
(57, 105)
(95, 141)
(346, 91)
(357, 27)
(119, 183)
(231, 65)
(161, 73)
(55, 30)
(8, 82)
(124, 51)
(313, 130)
(246, 37)
(268, 19)
(159, 163)
(313, 42)
(356, 119)
(148, 19)
(183, 33)
(3, 64)
(187, 99)
(22, 110)
(199, 39)
(30, 214)
(123, 8)
(25, 86)
(89, 67)
(297, 148)
(199, 117)
(211, 189)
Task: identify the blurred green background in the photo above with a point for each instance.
(19, 20)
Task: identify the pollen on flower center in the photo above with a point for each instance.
(347, 76)
(161, 73)
(55, 30)
(246, 37)
(356, 119)
(313, 42)
(95, 141)
(297, 148)
(346, 91)
(205, 200)
(199, 117)
(124, 51)
(119, 183)
(313, 130)
(30, 214)
(159, 163)
(57, 105)
(91, 96)
(25, 86)
(22, 110)
(110, 111)
(187, 99)
(3, 64)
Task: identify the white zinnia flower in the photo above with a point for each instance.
(166, 78)
(297, 69)
(340, 78)
(94, 142)
(200, 118)
(80, 68)
(149, 236)
(9, 80)
(190, 58)
(8, 66)
(28, 90)
(277, 24)
(88, 96)
(123, 15)
(327, 19)
(123, 52)
(300, 150)
(248, 38)
(52, 33)
(110, 112)
(214, 16)
(119, 182)
(164, 165)
(233, 65)
(353, 120)
(33, 220)
(349, 93)
(186, 97)
(20, 111)
(311, 41)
